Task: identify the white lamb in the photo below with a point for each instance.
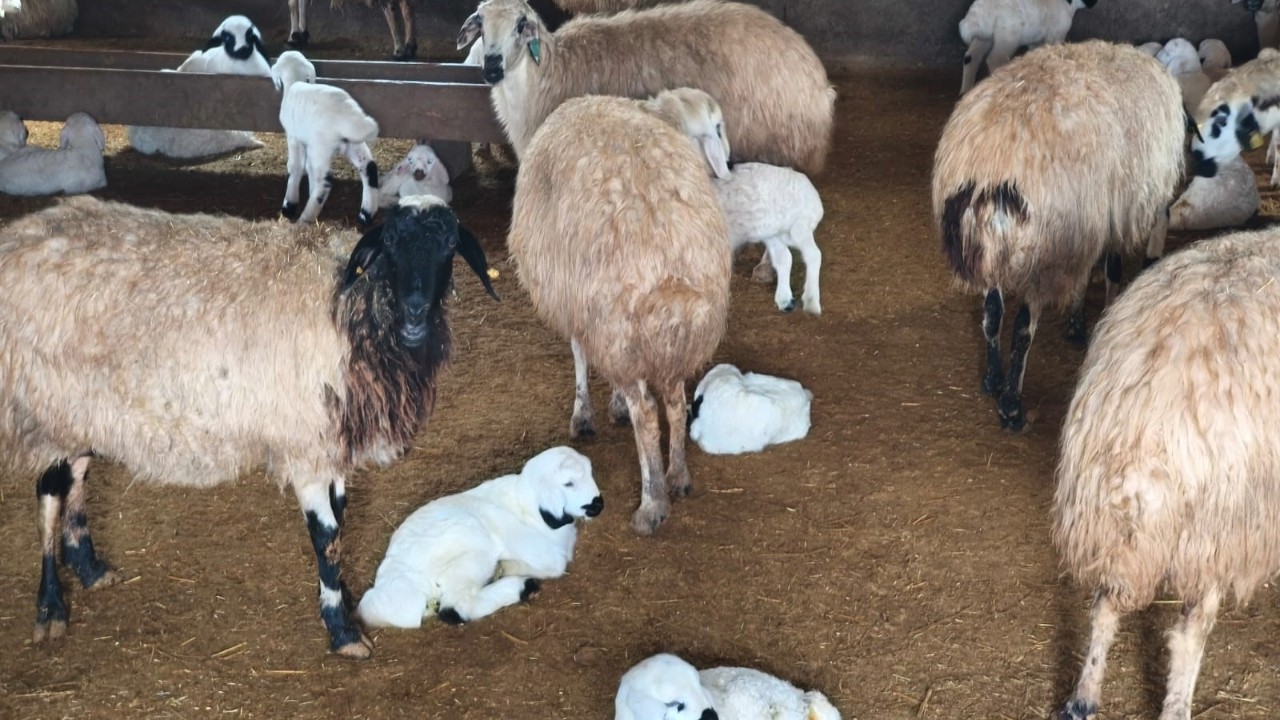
(1228, 199)
(236, 48)
(1215, 58)
(419, 173)
(464, 556)
(75, 167)
(734, 413)
(1182, 61)
(995, 29)
(319, 121)
(13, 132)
(665, 687)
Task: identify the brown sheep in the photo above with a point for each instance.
(399, 14)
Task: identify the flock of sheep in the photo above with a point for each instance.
(650, 149)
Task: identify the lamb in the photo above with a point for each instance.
(1013, 223)
(419, 173)
(665, 687)
(1228, 199)
(467, 555)
(37, 19)
(76, 166)
(1170, 448)
(13, 133)
(319, 121)
(1215, 58)
(778, 117)
(298, 35)
(623, 249)
(1181, 60)
(245, 344)
(1236, 112)
(406, 42)
(734, 413)
(236, 48)
(993, 30)
(1152, 48)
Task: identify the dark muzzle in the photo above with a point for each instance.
(493, 73)
(709, 714)
(595, 507)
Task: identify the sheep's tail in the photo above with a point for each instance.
(682, 323)
(819, 707)
(969, 215)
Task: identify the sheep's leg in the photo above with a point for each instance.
(318, 501)
(812, 256)
(678, 484)
(410, 50)
(1186, 651)
(77, 545)
(297, 168)
(298, 35)
(1155, 243)
(51, 608)
(361, 159)
(618, 413)
(992, 317)
(319, 181)
(654, 504)
(763, 272)
(1076, 333)
(1010, 405)
(581, 423)
(464, 607)
(781, 256)
(1104, 621)
(973, 58)
(389, 13)
(1114, 274)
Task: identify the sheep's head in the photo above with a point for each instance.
(82, 131)
(412, 253)
(698, 115)
(1179, 57)
(663, 687)
(13, 132)
(562, 482)
(1230, 129)
(292, 67)
(423, 162)
(510, 30)
(238, 37)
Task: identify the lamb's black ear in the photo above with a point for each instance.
(470, 250)
(365, 254)
(256, 41)
(213, 42)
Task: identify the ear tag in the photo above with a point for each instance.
(1256, 141)
(359, 271)
(535, 50)
(493, 273)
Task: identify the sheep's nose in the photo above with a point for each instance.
(709, 714)
(493, 69)
(415, 309)
(595, 507)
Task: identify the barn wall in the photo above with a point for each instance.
(900, 32)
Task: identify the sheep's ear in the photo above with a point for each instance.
(365, 254)
(470, 250)
(256, 41)
(529, 30)
(470, 29)
(213, 42)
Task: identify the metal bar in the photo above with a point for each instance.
(435, 111)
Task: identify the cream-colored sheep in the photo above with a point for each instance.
(1066, 154)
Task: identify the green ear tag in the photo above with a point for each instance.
(535, 51)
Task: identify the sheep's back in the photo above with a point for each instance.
(189, 347)
(1064, 153)
(620, 242)
(1170, 460)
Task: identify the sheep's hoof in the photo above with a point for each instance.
(109, 577)
(581, 428)
(679, 485)
(1076, 334)
(408, 52)
(449, 616)
(360, 649)
(365, 218)
(51, 630)
(650, 517)
(993, 384)
(1011, 416)
(619, 414)
(289, 210)
(764, 272)
(1078, 710)
(787, 306)
(813, 308)
(531, 588)
(298, 40)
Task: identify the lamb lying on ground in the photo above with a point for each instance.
(74, 167)
(1226, 200)
(665, 687)
(13, 133)
(464, 556)
(419, 173)
(735, 413)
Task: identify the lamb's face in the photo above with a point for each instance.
(424, 163)
(82, 131)
(1231, 128)
(565, 487)
(292, 67)
(238, 37)
(1179, 57)
(663, 687)
(510, 30)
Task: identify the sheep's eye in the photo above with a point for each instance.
(676, 705)
(569, 484)
(520, 25)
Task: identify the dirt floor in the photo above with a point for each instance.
(898, 558)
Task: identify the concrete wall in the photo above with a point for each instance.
(898, 32)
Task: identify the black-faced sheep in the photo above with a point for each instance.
(993, 30)
(74, 167)
(782, 118)
(619, 239)
(1039, 174)
(244, 344)
(467, 555)
(1170, 467)
(665, 687)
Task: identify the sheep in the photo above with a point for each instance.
(1228, 199)
(776, 98)
(622, 246)
(298, 35)
(235, 48)
(465, 556)
(1236, 112)
(665, 687)
(1179, 57)
(1013, 222)
(406, 43)
(13, 133)
(319, 121)
(1215, 58)
(1169, 454)
(245, 344)
(76, 166)
(993, 30)
(419, 173)
(734, 413)
(38, 19)
(187, 143)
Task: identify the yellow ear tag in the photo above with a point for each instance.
(1256, 140)
(359, 271)
(493, 274)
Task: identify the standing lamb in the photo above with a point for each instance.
(1014, 222)
(776, 98)
(13, 133)
(75, 167)
(665, 687)
(245, 344)
(405, 42)
(622, 246)
(993, 30)
(467, 555)
(1170, 450)
(320, 121)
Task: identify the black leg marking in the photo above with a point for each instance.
(51, 609)
(289, 210)
(450, 616)
(79, 555)
(371, 172)
(1078, 710)
(327, 545)
(1076, 333)
(1114, 268)
(364, 218)
(993, 315)
(55, 481)
(531, 588)
(1010, 406)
